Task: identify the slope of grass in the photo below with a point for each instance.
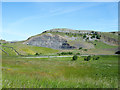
(111, 35)
(60, 72)
(27, 49)
(101, 45)
(9, 51)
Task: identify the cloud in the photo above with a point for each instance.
(60, 11)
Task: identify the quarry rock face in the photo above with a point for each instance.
(50, 41)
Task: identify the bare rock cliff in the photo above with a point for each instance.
(50, 41)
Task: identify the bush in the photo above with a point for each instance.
(36, 53)
(96, 58)
(84, 36)
(85, 49)
(77, 53)
(75, 57)
(93, 36)
(98, 36)
(66, 53)
(80, 48)
(87, 58)
(70, 53)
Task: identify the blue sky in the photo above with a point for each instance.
(21, 20)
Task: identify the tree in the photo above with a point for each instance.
(74, 57)
(84, 36)
(98, 36)
(97, 58)
(92, 31)
(87, 58)
(36, 53)
(93, 36)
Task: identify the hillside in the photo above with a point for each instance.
(23, 49)
(64, 40)
(72, 39)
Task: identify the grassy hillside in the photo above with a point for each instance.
(74, 38)
(27, 49)
(60, 72)
(111, 35)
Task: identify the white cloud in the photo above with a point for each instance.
(60, 11)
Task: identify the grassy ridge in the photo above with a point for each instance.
(60, 72)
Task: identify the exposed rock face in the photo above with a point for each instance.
(50, 41)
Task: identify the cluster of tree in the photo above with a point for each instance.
(94, 35)
(75, 57)
(89, 58)
(37, 54)
(65, 53)
(73, 34)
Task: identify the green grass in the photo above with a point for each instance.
(60, 72)
(101, 45)
(27, 49)
(111, 35)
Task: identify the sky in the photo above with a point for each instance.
(20, 20)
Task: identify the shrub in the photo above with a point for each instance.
(92, 31)
(36, 53)
(80, 48)
(98, 36)
(97, 58)
(85, 49)
(84, 36)
(70, 53)
(87, 58)
(75, 57)
(66, 53)
(93, 36)
(77, 53)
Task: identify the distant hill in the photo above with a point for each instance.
(62, 38)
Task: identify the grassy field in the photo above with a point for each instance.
(59, 72)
